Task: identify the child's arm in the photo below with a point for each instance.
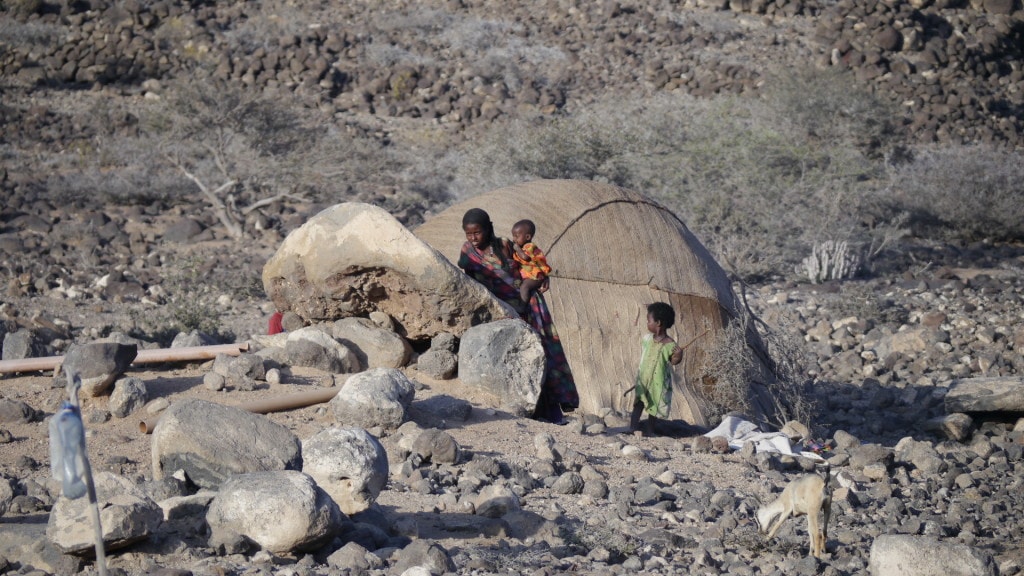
(677, 355)
(519, 252)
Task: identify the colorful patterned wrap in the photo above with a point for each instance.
(500, 276)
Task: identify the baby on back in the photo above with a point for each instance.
(533, 266)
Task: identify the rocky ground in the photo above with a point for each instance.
(882, 351)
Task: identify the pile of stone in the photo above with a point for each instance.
(954, 65)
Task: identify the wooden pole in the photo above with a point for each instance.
(277, 404)
(153, 356)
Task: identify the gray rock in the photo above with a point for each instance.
(14, 411)
(423, 554)
(128, 396)
(908, 555)
(865, 454)
(349, 464)
(921, 455)
(957, 426)
(192, 339)
(353, 259)
(998, 394)
(504, 358)
(309, 354)
(568, 483)
(845, 440)
(241, 371)
(440, 364)
(127, 516)
(6, 495)
(436, 446)
(19, 345)
(290, 321)
(214, 381)
(374, 347)
(99, 364)
(495, 501)
(314, 348)
(444, 341)
(281, 511)
(378, 397)
(355, 558)
(596, 488)
(211, 442)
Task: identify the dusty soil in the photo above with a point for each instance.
(118, 445)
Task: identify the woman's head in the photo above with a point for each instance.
(478, 227)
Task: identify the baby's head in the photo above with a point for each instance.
(523, 231)
(660, 314)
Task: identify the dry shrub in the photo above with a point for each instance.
(747, 180)
(830, 108)
(963, 192)
(747, 382)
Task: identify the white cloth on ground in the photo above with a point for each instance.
(738, 432)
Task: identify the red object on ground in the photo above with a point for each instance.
(274, 326)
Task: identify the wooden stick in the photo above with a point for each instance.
(276, 404)
(153, 356)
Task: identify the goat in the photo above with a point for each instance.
(809, 494)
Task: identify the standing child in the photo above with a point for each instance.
(653, 392)
(533, 266)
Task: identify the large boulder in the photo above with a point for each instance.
(127, 516)
(211, 442)
(377, 398)
(506, 359)
(911, 555)
(374, 346)
(350, 464)
(281, 511)
(98, 364)
(354, 259)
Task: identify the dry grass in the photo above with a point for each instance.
(746, 178)
(963, 192)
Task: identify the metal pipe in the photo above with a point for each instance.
(152, 356)
(276, 404)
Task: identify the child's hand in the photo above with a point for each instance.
(544, 285)
(677, 355)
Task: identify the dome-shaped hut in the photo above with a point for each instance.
(613, 251)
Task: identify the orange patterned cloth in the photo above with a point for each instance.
(536, 268)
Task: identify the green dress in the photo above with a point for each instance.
(654, 379)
